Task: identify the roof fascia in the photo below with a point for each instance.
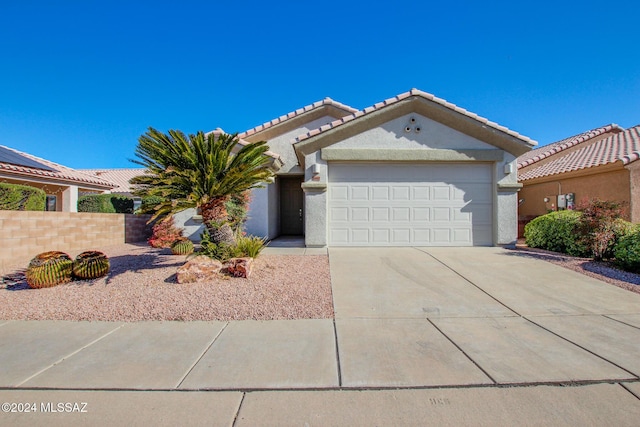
(275, 130)
(419, 105)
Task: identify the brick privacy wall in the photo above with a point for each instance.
(26, 234)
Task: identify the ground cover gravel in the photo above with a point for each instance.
(142, 286)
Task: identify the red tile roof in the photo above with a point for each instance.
(405, 95)
(621, 147)
(57, 172)
(298, 112)
(119, 177)
(538, 154)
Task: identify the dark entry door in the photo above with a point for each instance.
(291, 205)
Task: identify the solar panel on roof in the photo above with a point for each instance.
(9, 156)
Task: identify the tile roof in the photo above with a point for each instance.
(538, 154)
(296, 113)
(620, 147)
(119, 177)
(219, 131)
(54, 171)
(405, 95)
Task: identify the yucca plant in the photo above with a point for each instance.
(90, 265)
(49, 269)
(201, 171)
(182, 247)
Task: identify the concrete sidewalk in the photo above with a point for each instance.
(439, 336)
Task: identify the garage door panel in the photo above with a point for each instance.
(410, 204)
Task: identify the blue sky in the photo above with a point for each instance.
(80, 81)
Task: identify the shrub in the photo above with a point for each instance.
(250, 246)
(555, 231)
(165, 233)
(15, 197)
(149, 203)
(600, 226)
(49, 269)
(105, 203)
(627, 252)
(182, 247)
(220, 251)
(90, 265)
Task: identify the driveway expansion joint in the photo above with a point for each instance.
(470, 282)
(582, 347)
(463, 352)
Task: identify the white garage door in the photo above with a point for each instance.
(373, 204)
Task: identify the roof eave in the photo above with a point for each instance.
(467, 123)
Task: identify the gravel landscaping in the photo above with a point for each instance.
(142, 286)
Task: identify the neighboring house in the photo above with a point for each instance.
(413, 170)
(121, 178)
(60, 183)
(598, 164)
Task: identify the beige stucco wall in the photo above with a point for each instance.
(26, 234)
(634, 190)
(613, 184)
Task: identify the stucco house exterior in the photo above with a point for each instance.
(413, 170)
(600, 163)
(61, 184)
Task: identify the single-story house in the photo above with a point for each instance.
(597, 164)
(413, 170)
(61, 184)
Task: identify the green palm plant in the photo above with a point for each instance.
(201, 171)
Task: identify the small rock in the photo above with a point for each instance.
(199, 269)
(239, 267)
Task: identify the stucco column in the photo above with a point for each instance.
(70, 199)
(315, 214)
(507, 230)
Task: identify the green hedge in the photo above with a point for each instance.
(14, 197)
(150, 202)
(105, 203)
(555, 231)
(627, 252)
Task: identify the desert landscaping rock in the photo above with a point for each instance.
(199, 269)
(240, 267)
(142, 285)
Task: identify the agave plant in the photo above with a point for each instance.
(49, 269)
(182, 247)
(201, 171)
(91, 265)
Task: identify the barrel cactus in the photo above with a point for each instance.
(49, 269)
(182, 247)
(90, 265)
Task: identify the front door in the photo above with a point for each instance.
(291, 205)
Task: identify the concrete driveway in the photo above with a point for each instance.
(477, 316)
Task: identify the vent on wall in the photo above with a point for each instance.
(412, 126)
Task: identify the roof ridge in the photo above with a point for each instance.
(405, 95)
(296, 113)
(571, 141)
